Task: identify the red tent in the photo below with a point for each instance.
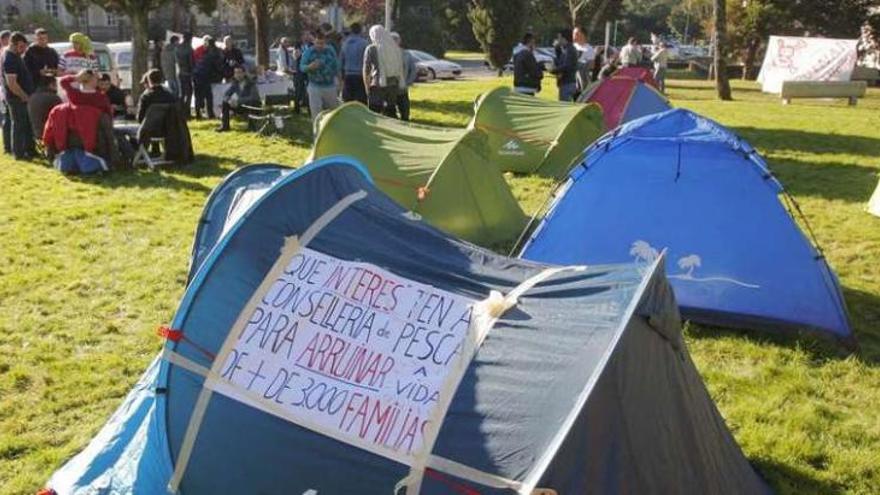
(623, 98)
(639, 74)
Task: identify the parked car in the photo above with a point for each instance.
(544, 55)
(435, 67)
(106, 64)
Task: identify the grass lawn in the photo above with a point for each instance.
(90, 267)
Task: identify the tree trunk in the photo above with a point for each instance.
(596, 18)
(140, 48)
(749, 60)
(296, 17)
(260, 11)
(722, 85)
(175, 16)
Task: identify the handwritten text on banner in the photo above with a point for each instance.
(352, 348)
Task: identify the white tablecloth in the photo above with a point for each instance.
(276, 87)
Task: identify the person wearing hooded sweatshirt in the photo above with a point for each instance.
(80, 57)
(383, 71)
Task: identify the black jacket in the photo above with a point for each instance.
(232, 58)
(152, 96)
(209, 70)
(566, 65)
(166, 120)
(526, 71)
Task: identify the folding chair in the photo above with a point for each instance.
(271, 117)
(143, 154)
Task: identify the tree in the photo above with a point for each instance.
(138, 11)
(599, 11)
(497, 24)
(722, 85)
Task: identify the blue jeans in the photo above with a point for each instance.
(567, 91)
(7, 128)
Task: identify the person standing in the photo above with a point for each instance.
(18, 85)
(565, 66)
(319, 62)
(631, 54)
(586, 55)
(301, 81)
(660, 58)
(169, 65)
(285, 61)
(527, 74)
(80, 57)
(410, 74)
(208, 71)
(352, 55)
(7, 119)
(383, 72)
(232, 58)
(184, 54)
(41, 59)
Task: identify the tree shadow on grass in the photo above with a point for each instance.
(458, 110)
(810, 142)
(829, 180)
(787, 479)
(168, 177)
(864, 318)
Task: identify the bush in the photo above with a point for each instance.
(28, 23)
(421, 29)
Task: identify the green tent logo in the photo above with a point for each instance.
(511, 148)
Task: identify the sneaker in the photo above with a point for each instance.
(221, 129)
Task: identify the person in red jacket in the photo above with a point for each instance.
(87, 93)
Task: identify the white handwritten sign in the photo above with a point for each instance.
(350, 350)
(790, 58)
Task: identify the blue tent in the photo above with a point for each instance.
(446, 368)
(681, 183)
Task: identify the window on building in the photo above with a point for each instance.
(51, 7)
(112, 19)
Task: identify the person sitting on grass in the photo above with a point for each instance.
(87, 93)
(154, 93)
(241, 93)
(114, 94)
(41, 102)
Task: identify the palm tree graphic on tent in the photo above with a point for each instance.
(689, 263)
(643, 251)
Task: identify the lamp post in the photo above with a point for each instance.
(389, 6)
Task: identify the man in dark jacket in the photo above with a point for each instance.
(208, 71)
(40, 103)
(184, 53)
(155, 93)
(41, 59)
(242, 92)
(565, 67)
(232, 58)
(18, 86)
(527, 73)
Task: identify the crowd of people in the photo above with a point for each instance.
(63, 101)
(328, 68)
(576, 63)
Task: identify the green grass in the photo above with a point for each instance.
(90, 267)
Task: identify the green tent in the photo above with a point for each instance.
(439, 173)
(536, 136)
